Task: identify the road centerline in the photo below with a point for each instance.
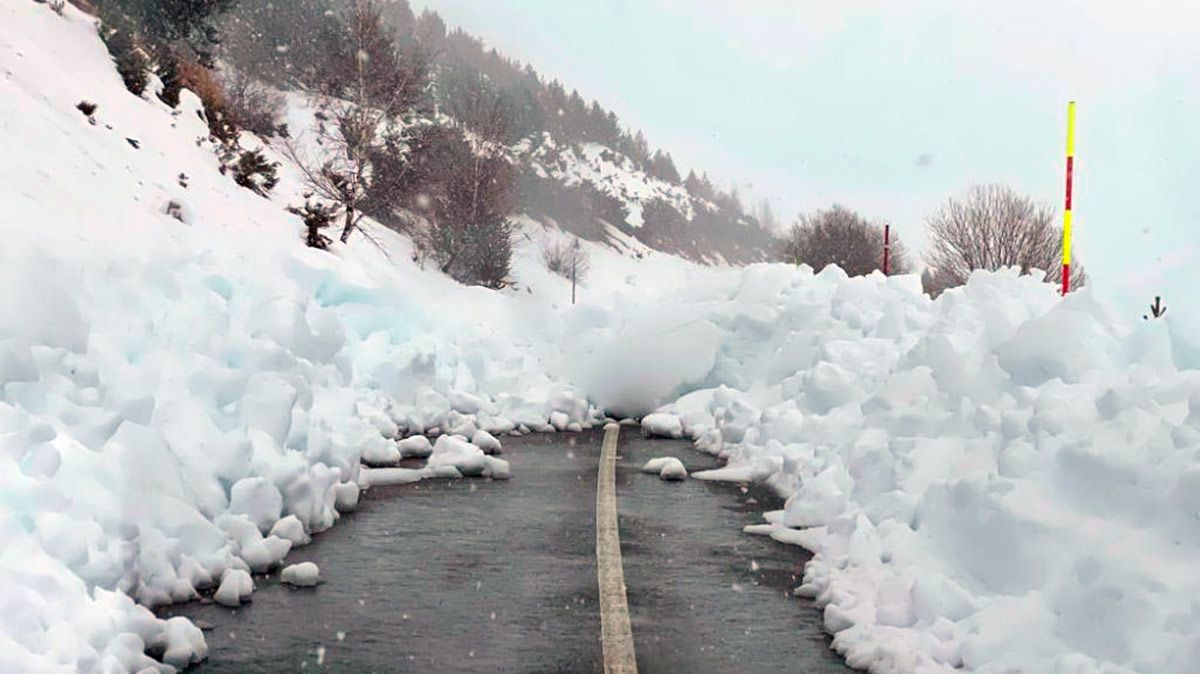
(616, 635)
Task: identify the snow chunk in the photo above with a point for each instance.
(304, 574)
(667, 468)
(415, 447)
(346, 497)
(466, 458)
(387, 477)
(183, 643)
(236, 587)
(486, 441)
(291, 529)
(673, 470)
(258, 499)
(662, 425)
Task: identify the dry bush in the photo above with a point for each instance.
(993, 227)
(842, 237)
(251, 104)
(129, 57)
(203, 82)
(568, 259)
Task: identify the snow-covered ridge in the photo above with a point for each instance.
(609, 172)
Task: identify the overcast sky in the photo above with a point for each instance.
(890, 107)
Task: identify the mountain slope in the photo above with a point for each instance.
(577, 167)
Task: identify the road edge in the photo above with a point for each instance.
(616, 634)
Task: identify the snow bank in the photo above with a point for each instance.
(998, 481)
(181, 402)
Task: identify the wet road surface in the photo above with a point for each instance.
(500, 576)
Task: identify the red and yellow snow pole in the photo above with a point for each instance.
(1066, 240)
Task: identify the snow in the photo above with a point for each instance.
(666, 468)
(304, 574)
(662, 425)
(184, 643)
(486, 441)
(468, 459)
(418, 446)
(610, 173)
(999, 480)
(236, 586)
(673, 471)
(290, 529)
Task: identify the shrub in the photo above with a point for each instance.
(466, 195)
(317, 217)
(57, 6)
(131, 60)
(251, 104)
(86, 6)
(88, 109)
(844, 238)
(199, 80)
(568, 259)
(254, 172)
(168, 24)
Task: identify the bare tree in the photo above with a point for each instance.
(842, 237)
(568, 259)
(252, 104)
(993, 228)
(369, 86)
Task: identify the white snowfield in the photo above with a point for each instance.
(998, 481)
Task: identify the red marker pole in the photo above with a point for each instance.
(1066, 240)
(887, 250)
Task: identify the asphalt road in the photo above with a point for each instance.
(500, 576)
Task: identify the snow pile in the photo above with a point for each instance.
(998, 481)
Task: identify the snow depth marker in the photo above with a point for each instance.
(887, 250)
(1066, 239)
(616, 636)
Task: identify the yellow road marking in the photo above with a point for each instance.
(616, 636)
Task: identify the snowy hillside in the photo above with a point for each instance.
(609, 173)
(613, 192)
(997, 481)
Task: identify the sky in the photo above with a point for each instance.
(890, 108)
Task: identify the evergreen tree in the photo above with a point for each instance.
(168, 24)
